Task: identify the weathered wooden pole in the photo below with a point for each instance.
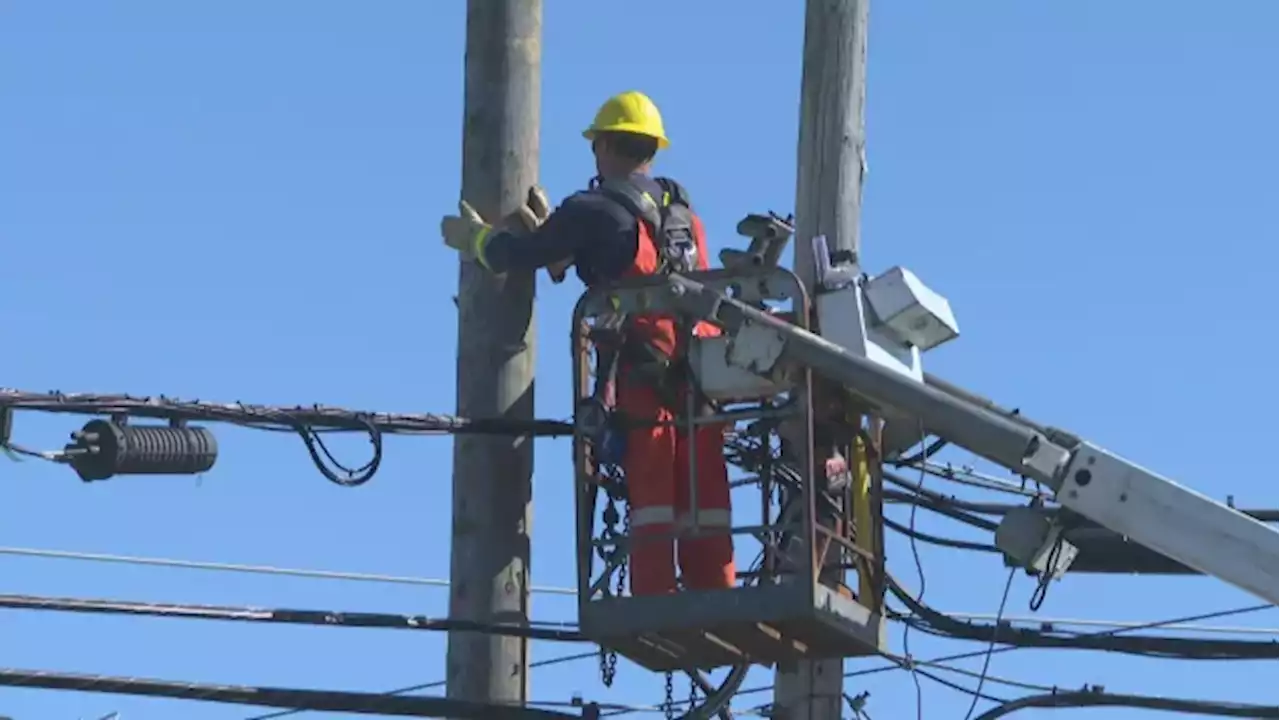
(489, 562)
(828, 202)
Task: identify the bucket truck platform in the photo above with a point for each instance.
(785, 610)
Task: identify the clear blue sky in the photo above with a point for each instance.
(241, 201)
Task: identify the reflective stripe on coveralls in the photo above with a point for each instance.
(657, 463)
(666, 515)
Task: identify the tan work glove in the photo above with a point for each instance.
(467, 231)
(539, 209)
(540, 206)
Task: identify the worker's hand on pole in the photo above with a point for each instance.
(528, 217)
(467, 231)
(464, 232)
(539, 206)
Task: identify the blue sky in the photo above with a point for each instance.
(240, 201)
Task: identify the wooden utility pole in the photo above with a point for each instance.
(489, 562)
(830, 167)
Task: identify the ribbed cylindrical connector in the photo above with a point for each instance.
(103, 449)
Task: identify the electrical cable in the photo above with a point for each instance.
(974, 508)
(965, 511)
(294, 699)
(1096, 698)
(944, 508)
(906, 628)
(940, 541)
(953, 657)
(1050, 623)
(276, 418)
(936, 623)
(925, 452)
(789, 479)
(306, 422)
(287, 616)
(986, 660)
(435, 684)
(993, 679)
(252, 569)
(996, 632)
(1113, 632)
(965, 475)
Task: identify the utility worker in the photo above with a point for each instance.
(630, 224)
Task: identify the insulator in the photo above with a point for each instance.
(103, 449)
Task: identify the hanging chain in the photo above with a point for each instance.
(693, 693)
(608, 666)
(669, 703)
(609, 657)
(624, 551)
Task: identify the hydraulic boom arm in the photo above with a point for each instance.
(1173, 520)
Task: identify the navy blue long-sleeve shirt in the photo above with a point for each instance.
(599, 234)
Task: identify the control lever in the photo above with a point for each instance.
(769, 236)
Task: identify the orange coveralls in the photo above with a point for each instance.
(657, 462)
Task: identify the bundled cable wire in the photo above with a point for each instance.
(931, 621)
(309, 423)
(277, 418)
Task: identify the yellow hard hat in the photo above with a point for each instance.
(631, 112)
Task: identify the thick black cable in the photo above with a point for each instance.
(306, 422)
(939, 541)
(355, 476)
(926, 452)
(939, 503)
(432, 685)
(286, 616)
(1010, 648)
(936, 623)
(275, 418)
(942, 507)
(1093, 698)
(296, 699)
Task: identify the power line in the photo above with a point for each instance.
(1098, 698)
(295, 699)
(1050, 622)
(994, 679)
(439, 683)
(309, 423)
(931, 621)
(252, 569)
(288, 616)
(280, 418)
(1010, 648)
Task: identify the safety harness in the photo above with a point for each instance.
(670, 223)
(670, 220)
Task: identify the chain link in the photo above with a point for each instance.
(693, 694)
(669, 703)
(608, 657)
(624, 551)
(608, 666)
